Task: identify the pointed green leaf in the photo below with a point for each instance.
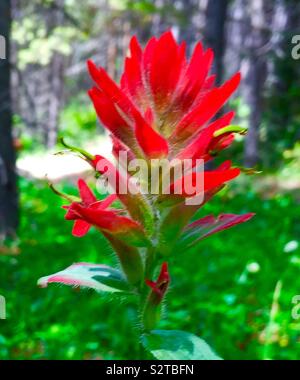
(177, 345)
(93, 276)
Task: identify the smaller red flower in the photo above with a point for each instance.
(159, 287)
(88, 199)
(89, 213)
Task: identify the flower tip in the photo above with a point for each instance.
(235, 172)
(94, 70)
(238, 77)
(81, 182)
(168, 35)
(210, 55)
(164, 267)
(135, 46)
(91, 65)
(250, 215)
(91, 92)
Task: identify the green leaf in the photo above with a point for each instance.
(177, 345)
(93, 276)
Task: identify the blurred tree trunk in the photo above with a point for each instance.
(254, 85)
(56, 77)
(8, 188)
(56, 82)
(284, 77)
(214, 33)
(255, 71)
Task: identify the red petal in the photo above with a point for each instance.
(165, 67)
(209, 83)
(80, 228)
(71, 213)
(86, 194)
(199, 146)
(115, 179)
(152, 285)
(210, 225)
(135, 203)
(160, 286)
(197, 72)
(109, 115)
(102, 205)
(108, 221)
(152, 143)
(119, 147)
(131, 80)
(149, 116)
(105, 219)
(196, 183)
(208, 107)
(214, 179)
(147, 56)
(222, 142)
(225, 166)
(164, 273)
(113, 92)
(135, 49)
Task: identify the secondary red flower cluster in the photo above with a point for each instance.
(164, 107)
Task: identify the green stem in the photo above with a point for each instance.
(273, 314)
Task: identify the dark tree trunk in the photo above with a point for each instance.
(56, 81)
(8, 188)
(214, 34)
(256, 38)
(254, 85)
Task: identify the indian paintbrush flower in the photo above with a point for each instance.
(166, 107)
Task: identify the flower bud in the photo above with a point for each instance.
(152, 310)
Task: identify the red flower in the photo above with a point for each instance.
(81, 227)
(152, 309)
(164, 108)
(160, 286)
(164, 101)
(89, 212)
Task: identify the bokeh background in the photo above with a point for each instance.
(235, 290)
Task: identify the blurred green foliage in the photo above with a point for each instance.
(78, 121)
(221, 291)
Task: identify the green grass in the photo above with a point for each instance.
(212, 295)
